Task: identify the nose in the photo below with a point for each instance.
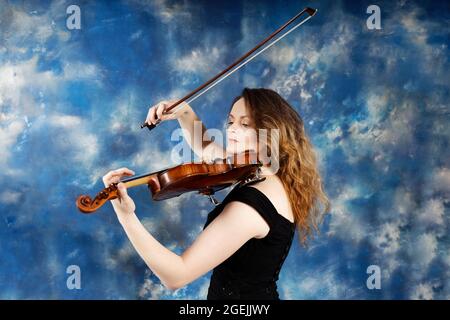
(232, 128)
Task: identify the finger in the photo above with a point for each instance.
(110, 180)
(107, 177)
(122, 190)
(120, 172)
(123, 170)
(114, 175)
(114, 179)
(121, 193)
(159, 110)
(147, 119)
(151, 115)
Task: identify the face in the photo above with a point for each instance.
(241, 133)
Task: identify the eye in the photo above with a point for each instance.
(229, 123)
(245, 125)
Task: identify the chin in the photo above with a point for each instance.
(235, 150)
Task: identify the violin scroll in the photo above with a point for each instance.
(88, 205)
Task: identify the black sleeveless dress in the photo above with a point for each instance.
(252, 271)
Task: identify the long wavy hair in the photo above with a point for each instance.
(297, 160)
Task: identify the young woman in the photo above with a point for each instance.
(247, 237)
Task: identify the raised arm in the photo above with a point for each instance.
(194, 130)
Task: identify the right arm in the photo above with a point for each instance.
(193, 128)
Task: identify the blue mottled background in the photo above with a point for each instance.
(374, 102)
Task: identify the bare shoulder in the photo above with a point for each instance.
(245, 218)
(273, 188)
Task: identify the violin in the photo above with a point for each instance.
(172, 182)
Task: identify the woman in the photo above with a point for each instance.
(247, 237)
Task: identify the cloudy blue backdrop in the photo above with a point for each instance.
(374, 102)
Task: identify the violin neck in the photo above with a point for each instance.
(139, 180)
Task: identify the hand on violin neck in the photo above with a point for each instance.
(124, 205)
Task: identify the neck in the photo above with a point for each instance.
(266, 171)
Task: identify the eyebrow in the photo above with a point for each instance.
(231, 116)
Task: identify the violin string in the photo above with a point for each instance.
(237, 67)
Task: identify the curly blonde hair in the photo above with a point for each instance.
(297, 160)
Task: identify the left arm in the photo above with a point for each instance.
(236, 224)
(165, 264)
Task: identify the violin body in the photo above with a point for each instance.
(204, 178)
(168, 183)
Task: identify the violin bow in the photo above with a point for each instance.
(240, 62)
